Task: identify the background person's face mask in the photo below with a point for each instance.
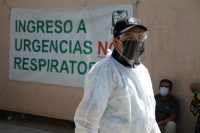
(132, 48)
(164, 91)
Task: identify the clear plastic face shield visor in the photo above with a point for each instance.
(133, 45)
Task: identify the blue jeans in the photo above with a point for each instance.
(197, 127)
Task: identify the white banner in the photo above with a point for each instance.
(59, 46)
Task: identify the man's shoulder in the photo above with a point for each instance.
(142, 66)
(102, 64)
(157, 95)
(173, 98)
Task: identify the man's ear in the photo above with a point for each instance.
(115, 41)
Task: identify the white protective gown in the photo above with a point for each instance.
(117, 99)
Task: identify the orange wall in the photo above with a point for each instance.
(173, 51)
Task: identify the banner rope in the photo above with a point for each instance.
(5, 2)
(1, 92)
(85, 3)
(135, 8)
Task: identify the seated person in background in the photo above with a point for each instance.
(195, 88)
(167, 108)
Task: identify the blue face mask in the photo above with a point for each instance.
(164, 91)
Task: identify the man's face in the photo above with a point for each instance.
(166, 85)
(132, 34)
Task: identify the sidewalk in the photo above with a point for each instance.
(10, 124)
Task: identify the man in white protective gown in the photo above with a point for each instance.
(118, 95)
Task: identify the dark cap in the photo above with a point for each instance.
(125, 24)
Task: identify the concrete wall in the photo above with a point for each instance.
(173, 51)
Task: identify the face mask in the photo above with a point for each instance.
(141, 50)
(164, 91)
(131, 50)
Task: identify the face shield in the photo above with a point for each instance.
(133, 45)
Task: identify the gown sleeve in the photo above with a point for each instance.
(98, 86)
